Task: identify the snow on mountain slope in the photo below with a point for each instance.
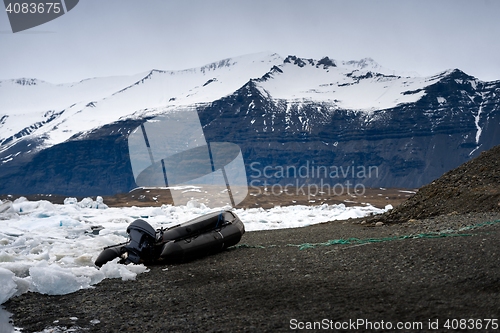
(23, 96)
(346, 87)
(30, 106)
(371, 65)
(27, 105)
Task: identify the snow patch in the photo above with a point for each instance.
(441, 100)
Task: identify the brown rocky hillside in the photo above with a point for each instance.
(472, 187)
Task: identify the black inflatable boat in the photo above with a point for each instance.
(201, 236)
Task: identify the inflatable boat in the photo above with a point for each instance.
(198, 237)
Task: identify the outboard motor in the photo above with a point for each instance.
(142, 241)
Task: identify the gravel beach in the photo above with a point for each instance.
(268, 283)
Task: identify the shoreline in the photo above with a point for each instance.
(257, 197)
(264, 283)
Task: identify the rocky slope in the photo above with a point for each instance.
(472, 187)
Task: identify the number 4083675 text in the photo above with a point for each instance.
(33, 8)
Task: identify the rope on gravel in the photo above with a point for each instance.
(353, 240)
(447, 233)
(246, 246)
(374, 240)
(470, 227)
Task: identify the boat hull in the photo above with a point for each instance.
(204, 235)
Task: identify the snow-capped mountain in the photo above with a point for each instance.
(71, 138)
(58, 112)
(354, 86)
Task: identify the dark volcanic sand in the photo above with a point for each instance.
(264, 285)
(254, 289)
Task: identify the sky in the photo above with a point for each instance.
(125, 37)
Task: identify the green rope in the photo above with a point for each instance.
(341, 241)
(470, 227)
(373, 240)
(246, 246)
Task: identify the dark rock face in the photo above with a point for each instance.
(97, 164)
(292, 143)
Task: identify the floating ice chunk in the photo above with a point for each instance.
(20, 200)
(157, 211)
(70, 201)
(86, 203)
(54, 280)
(114, 270)
(93, 273)
(6, 206)
(18, 268)
(138, 269)
(84, 259)
(5, 257)
(23, 284)
(23, 206)
(11, 231)
(100, 203)
(8, 287)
